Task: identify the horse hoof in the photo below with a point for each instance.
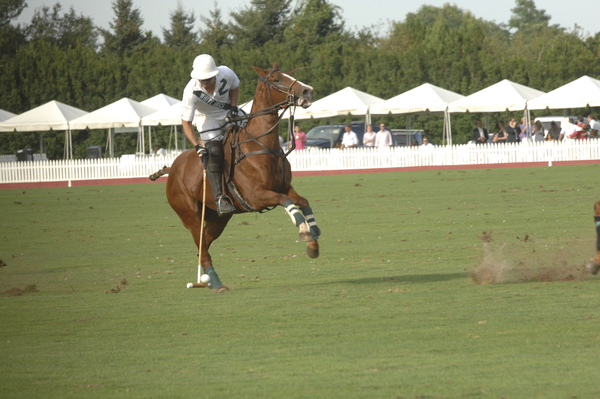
(312, 252)
(304, 233)
(592, 266)
(222, 289)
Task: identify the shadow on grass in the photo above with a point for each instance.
(408, 278)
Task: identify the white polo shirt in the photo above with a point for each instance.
(198, 103)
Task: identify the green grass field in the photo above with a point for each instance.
(389, 309)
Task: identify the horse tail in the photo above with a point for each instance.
(164, 171)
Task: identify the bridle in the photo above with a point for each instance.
(289, 103)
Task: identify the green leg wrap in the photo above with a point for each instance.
(315, 231)
(214, 278)
(294, 213)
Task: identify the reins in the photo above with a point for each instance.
(288, 103)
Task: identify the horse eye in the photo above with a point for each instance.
(276, 80)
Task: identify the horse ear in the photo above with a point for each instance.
(259, 71)
(276, 65)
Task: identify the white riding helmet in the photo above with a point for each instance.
(204, 67)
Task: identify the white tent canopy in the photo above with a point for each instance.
(502, 96)
(426, 97)
(167, 117)
(580, 93)
(122, 113)
(125, 113)
(4, 115)
(53, 115)
(160, 102)
(341, 103)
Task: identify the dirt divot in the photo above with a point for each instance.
(527, 259)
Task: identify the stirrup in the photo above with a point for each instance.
(223, 206)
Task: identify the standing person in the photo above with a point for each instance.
(580, 121)
(349, 139)
(554, 133)
(581, 134)
(157, 150)
(512, 131)
(480, 134)
(209, 98)
(369, 137)
(501, 136)
(539, 133)
(594, 125)
(300, 138)
(525, 130)
(383, 138)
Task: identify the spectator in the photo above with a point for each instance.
(554, 133)
(369, 138)
(581, 134)
(539, 133)
(426, 143)
(414, 143)
(383, 138)
(512, 131)
(299, 137)
(525, 130)
(580, 121)
(159, 151)
(501, 136)
(569, 129)
(349, 139)
(594, 125)
(480, 134)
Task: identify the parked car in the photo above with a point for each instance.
(327, 136)
(405, 137)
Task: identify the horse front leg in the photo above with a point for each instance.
(312, 246)
(213, 228)
(593, 265)
(265, 198)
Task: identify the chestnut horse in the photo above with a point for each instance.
(261, 177)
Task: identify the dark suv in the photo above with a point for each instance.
(327, 136)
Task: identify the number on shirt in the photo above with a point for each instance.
(222, 88)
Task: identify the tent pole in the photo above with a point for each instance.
(71, 142)
(149, 139)
(176, 144)
(112, 142)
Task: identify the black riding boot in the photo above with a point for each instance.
(214, 172)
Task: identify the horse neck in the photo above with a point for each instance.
(260, 124)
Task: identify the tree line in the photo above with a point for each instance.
(60, 56)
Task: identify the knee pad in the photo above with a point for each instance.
(215, 155)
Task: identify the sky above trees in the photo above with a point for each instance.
(156, 12)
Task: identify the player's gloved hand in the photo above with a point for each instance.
(201, 150)
(232, 114)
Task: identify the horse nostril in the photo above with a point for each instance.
(308, 94)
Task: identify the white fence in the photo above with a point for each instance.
(130, 166)
(470, 154)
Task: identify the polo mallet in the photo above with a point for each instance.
(199, 284)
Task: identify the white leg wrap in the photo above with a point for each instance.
(295, 215)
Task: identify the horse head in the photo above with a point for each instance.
(282, 86)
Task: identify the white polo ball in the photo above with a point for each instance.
(205, 278)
